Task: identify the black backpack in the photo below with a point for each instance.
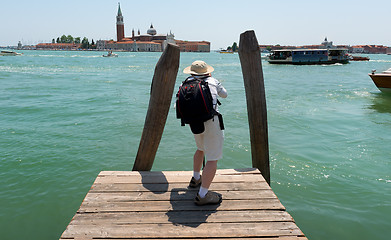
(194, 104)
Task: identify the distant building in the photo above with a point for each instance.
(357, 49)
(58, 46)
(150, 42)
(189, 46)
(120, 25)
(371, 49)
(324, 45)
(327, 44)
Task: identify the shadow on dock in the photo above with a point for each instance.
(156, 183)
(180, 199)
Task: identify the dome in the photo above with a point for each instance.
(151, 31)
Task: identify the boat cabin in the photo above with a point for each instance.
(308, 56)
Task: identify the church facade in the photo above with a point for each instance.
(150, 42)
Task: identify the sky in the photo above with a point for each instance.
(284, 22)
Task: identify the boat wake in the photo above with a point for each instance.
(381, 61)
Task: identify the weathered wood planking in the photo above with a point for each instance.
(158, 205)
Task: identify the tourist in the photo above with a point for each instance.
(210, 142)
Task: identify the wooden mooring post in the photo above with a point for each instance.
(162, 87)
(250, 59)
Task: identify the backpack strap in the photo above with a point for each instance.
(221, 120)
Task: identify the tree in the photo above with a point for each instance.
(77, 40)
(69, 39)
(63, 39)
(234, 47)
(53, 41)
(93, 45)
(58, 40)
(84, 43)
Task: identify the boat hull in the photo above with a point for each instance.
(8, 53)
(308, 62)
(382, 81)
(358, 58)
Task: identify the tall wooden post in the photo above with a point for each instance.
(250, 59)
(162, 88)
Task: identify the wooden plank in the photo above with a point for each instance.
(181, 217)
(263, 238)
(176, 179)
(175, 195)
(237, 230)
(241, 171)
(164, 206)
(150, 187)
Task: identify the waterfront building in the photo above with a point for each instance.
(58, 46)
(191, 46)
(371, 49)
(357, 49)
(149, 42)
(152, 41)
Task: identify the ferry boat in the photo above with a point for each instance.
(382, 80)
(309, 56)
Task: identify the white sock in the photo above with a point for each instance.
(196, 175)
(202, 192)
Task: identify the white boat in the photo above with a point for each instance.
(9, 53)
(382, 80)
(225, 51)
(110, 54)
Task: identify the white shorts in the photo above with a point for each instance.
(211, 140)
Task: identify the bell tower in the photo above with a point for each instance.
(120, 25)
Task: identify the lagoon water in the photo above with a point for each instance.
(66, 116)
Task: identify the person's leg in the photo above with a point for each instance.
(204, 196)
(197, 164)
(197, 160)
(208, 173)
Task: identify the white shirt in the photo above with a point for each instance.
(216, 89)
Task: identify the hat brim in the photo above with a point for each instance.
(189, 71)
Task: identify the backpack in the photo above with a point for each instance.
(194, 104)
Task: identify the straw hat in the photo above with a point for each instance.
(198, 68)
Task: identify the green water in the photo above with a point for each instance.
(66, 116)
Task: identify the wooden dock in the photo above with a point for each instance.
(158, 205)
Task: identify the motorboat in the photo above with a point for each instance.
(382, 80)
(110, 54)
(226, 51)
(9, 53)
(358, 58)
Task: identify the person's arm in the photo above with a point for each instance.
(221, 90)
